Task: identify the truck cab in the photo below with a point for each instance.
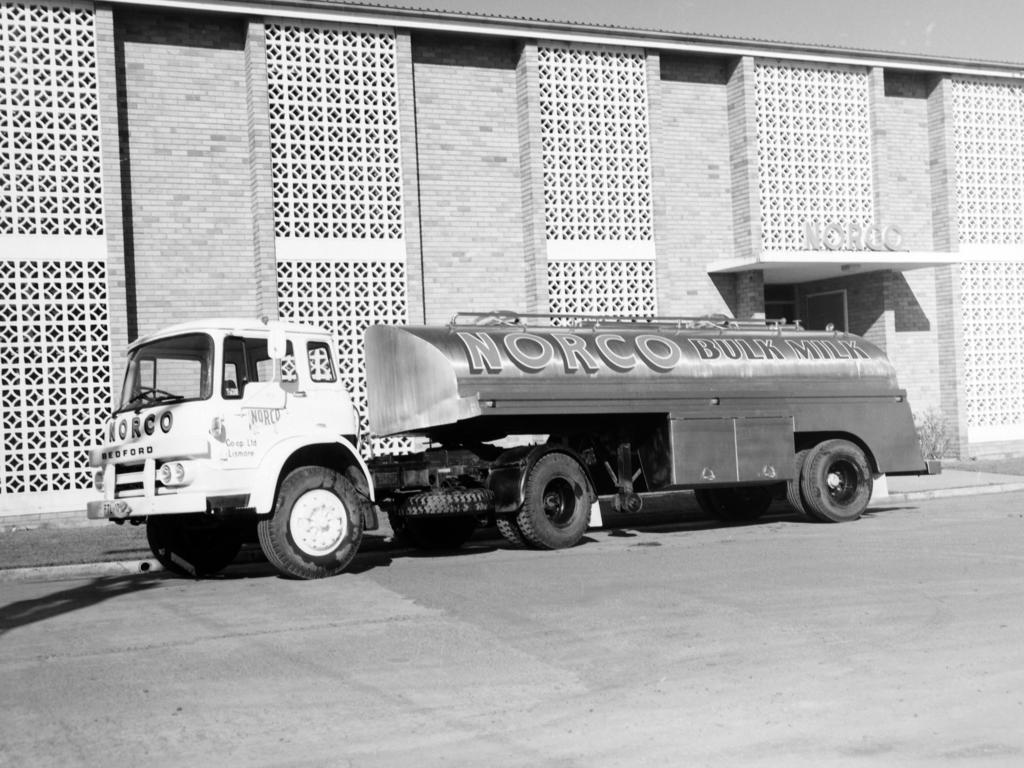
(227, 429)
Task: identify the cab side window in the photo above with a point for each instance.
(234, 368)
(321, 367)
(247, 361)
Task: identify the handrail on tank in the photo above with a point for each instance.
(521, 320)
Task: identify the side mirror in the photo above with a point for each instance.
(277, 344)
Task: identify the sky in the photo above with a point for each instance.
(982, 30)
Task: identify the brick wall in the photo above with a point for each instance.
(865, 303)
(471, 213)
(904, 198)
(903, 177)
(894, 311)
(913, 347)
(188, 207)
(693, 213)
(410, 177)
(942, 162)
(117, 282)
(260, 173)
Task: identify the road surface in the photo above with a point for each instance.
(894, 640)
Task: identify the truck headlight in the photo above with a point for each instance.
(175, 473)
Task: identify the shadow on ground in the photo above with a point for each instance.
(24, 612)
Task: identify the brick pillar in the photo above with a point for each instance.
(749, 294)
(883, 330)
(531, 162)
(880, 181)
(261, 180)
(118, 272)
(742, 112)
(409, 147)
(748, 287)
(942, 155)
(666, 291)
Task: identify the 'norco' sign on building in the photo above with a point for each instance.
(852, 236)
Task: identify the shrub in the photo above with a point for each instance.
(933, 434)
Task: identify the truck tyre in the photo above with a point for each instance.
(835, 482)
(556, 503)
(793, 486)
(736, 506)
(509, 530)
(454, 502)
(316, 526)
(192, 545)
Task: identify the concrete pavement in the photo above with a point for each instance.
(950, 483)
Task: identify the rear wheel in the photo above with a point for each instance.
(316, 526)
(556, 503)
(192, 545)
(509, 530)
(793, 486)
(836, 482)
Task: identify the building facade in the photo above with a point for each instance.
(343, 167)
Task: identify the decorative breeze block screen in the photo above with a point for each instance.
(992, 298)
(54, 372)
(620, 288)
(334, 133)
(595, 145)
(814, 150)
(50, 170)
(54, 330)
(345, 298)
(988, 130)
(988, 136)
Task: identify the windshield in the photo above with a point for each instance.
(169, 371)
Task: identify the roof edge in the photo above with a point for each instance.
(483, 24)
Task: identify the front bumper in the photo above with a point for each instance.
(144, 506)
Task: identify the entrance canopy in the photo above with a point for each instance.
(805, 266)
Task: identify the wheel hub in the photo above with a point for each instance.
(841, 482)
(559, 502)
(318, 523)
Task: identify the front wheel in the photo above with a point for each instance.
(316, 526)
(192, 545)
(835, 482)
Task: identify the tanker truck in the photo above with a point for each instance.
(737, 411)
(233, 430)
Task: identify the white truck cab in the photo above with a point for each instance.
(232, 428)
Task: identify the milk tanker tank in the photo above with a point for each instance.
(738, 411)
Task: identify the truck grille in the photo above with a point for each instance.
(128, 479)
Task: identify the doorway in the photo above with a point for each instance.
(827, 308)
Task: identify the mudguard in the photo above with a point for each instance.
(507, 478)
(269, 474)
